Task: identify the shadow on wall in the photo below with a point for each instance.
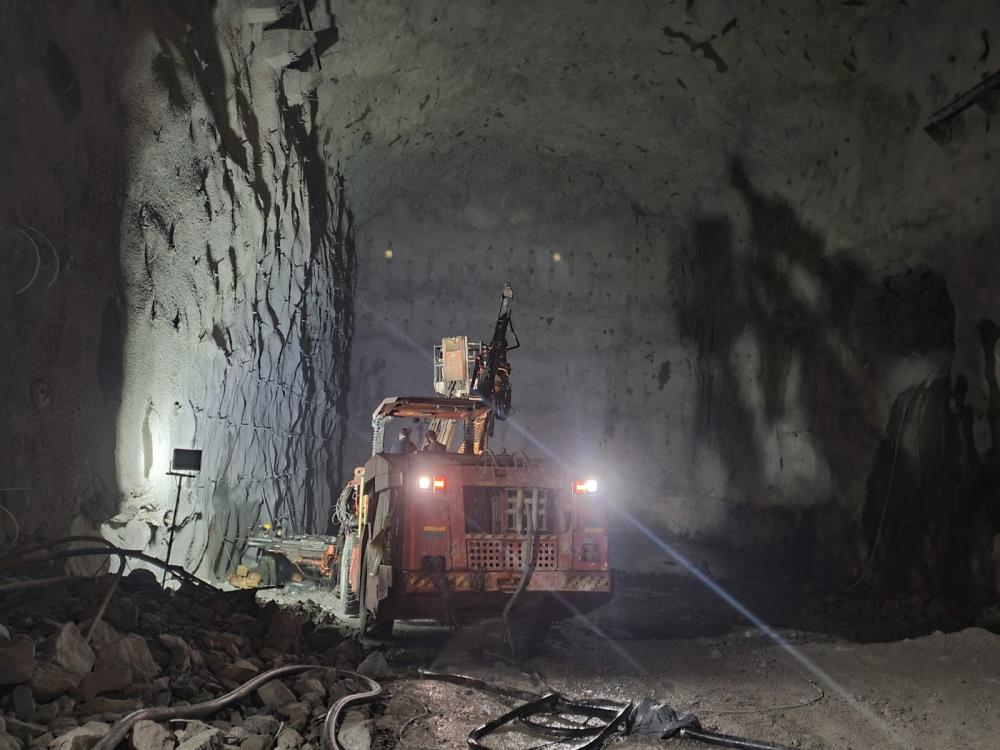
(932, 515)
(61, 154)
(794, 349)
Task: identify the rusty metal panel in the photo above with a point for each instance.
(485, 554)
(457, 515)
(426, 532)
(508, 554)
(470, 583)
(456, 361)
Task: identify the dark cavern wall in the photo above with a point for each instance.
(195, 281)
(754, 295)
(62, 323)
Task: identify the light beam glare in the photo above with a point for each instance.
(592, 627)
(766, 629)
(513, 424)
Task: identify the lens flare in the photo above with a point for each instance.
(766, 629)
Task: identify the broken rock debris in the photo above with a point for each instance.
(60, 690)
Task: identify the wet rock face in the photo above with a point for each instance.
(200, 267)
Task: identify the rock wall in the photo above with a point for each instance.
(226, 262)
(752, 291)
(239, 257)
(62, 170)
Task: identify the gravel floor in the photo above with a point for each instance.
(938, 691)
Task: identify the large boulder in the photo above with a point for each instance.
(17, 662)
(68, 649)
(180, 652)
(101, 633)
(375, 666)
(240, 671)
(289, 738)
(50, 681)
(355, 734)
(274, 694)
(24, 702)
(81, 738)
(130, 653)
(256, 742)
(103, 680)
(204, 740)
(148, 735)
(261, 724)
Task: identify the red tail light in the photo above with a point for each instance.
(585, 487)
(440, 485)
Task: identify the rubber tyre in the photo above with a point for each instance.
(380, 627)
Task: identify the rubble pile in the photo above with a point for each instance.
(66, 678)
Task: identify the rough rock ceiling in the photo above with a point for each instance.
(653, 97)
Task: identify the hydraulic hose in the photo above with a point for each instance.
(107, 597)
(471, 682)
(529, 566)
(39, 546)
(613, 713)
(726, 740)
(175, 570)
(120, 730)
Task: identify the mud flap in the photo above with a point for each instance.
(375, 574)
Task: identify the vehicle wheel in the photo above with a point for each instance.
(380, 627)
(348, 599)
(364, 615)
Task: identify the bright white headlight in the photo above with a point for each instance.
(591, 486)
(424, 483)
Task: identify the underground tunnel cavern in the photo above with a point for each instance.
(698, 297)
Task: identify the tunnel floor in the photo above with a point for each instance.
(841, 672)
(932, 692)
(79, 657)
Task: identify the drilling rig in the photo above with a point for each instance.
(458, 532)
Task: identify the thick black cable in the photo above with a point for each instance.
(727, 740)
(119, 732)
(175, 570)
(616, 715)
(529, 567)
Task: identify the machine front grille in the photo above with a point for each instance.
(505, 554)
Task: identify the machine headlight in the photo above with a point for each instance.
(438, 484)
(585, 487)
